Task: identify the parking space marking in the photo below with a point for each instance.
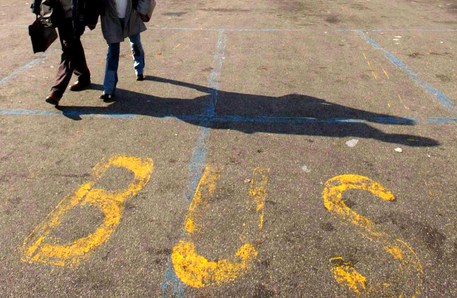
(40, 246)
(172, 285)
(198, 161)
(194, 269)
(277, 29)
(442, 120)
(442, 98)
(409, 264)
(387, 77)
(26, 67)
(70, 114)
(237, 119)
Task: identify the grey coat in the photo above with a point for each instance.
(112, 29)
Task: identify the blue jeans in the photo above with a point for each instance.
(112, 62)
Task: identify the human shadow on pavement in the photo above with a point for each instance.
(294, 114)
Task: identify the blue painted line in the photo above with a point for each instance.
(205, 122)
(443, 99)
(29, 112)
(444, 30)
(184, 29)
(285, 30)
(213, 84)
(198, 160)
(23, 69)
(80, 114)
(310, 120)
(172, 282)
(172, 285)
(230, 29)
(442, 120)
(265, 30)
(70, 114)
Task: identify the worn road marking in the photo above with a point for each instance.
(409, 263)
(345, 274)
(195, 270)
(39, 246)
(442, 98)
(402, 102)
(171, 286)
(370, 67)
(26, 67)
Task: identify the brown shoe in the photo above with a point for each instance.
(53, 99)
(80, 85)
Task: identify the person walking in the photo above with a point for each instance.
(120, 20)
(70, 17)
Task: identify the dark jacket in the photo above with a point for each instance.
(84, 12)
(113, 30)
(87, 10)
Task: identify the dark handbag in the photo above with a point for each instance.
(42, 36)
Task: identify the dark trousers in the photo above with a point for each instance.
(73, 59)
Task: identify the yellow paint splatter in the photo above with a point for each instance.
(40, 247)
(411, 257)
(430, 193)
(375, 76)
(395, 251)
(258, 191)
(197, 271)
(373, 72)
(345, 274)
(386, 74)
(402, 102)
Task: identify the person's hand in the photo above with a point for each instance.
(144, 17)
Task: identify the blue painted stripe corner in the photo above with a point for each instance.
(443, 99)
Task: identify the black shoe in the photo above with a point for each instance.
(140, 77)
(80, 85)
(107, 97)
(53, 99)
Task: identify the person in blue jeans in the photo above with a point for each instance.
(120, 20)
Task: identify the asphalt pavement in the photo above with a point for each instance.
(275, 149)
